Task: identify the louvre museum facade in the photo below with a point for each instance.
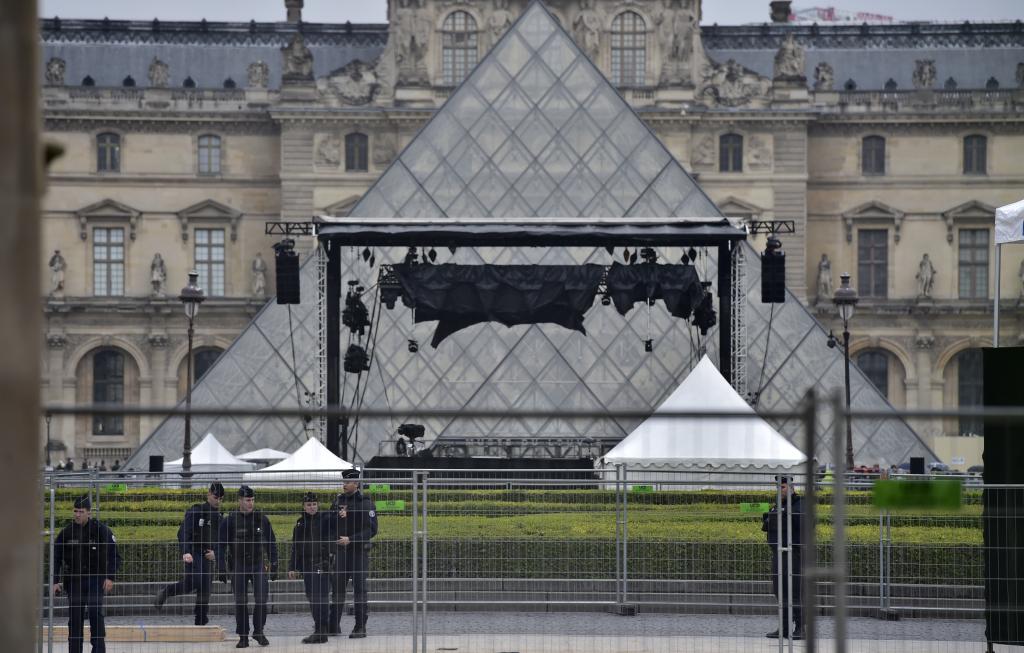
(888, 146)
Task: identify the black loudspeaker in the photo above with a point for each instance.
(156, 464)
(773, 273)
(286, 263)
(1003, 508)
(916, 465)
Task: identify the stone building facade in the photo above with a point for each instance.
(883, 144)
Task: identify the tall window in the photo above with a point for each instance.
(970, 386)
(210, 261)
(975, 155)
(108, 262)
(209, 155)
(629, 49)
(458, 46)
(357, 149)
(873, 155)
(108, 388)
(730, 153)
(875, 365)
(108, 153)
(873, 262)
(973, 264)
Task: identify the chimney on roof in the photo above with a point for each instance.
(294, 8)
(780, 10)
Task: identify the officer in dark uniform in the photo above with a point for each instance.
(246, 536)
(312, 552)
(790, 503)
(355, 518)
(198, 536)
(85, 561)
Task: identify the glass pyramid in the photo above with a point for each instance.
(534, 131)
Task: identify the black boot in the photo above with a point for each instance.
(315, 638)
(359, 632)
(243, 642)
(261, 639)
(161, 598)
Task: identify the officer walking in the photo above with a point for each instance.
(791, 506)
(312, 549)
(247, 536)
(356, 523)
(198, 536)
(85, 562)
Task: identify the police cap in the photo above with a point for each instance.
(246, 491)
(217, 489)
(309, 497)
(83, 502)
(784, 479)
(351, 474)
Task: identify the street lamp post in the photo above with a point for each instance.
(49, 465)
(845, 299)
(191, 296)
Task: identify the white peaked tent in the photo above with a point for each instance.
(715, 447)
(310, 462)
(263, 454)
(211, 456)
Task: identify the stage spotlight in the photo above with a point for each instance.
(356, 360)
(413, 346)
(648, 255)
(401, 448)
(648, 345)
(411, 256)
(606, 299)
(355, 314)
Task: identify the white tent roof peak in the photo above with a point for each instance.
(264, 454)
(210, 452)
(705, 441)
(312, 456)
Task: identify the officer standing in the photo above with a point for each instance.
(197, 536)
(312, 548)
(85, 561)
(356, 523)
(791, 506)
(247, 536)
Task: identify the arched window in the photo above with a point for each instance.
(730, 153)
(209, 154)
(458, 46)
(108, 152)
(357, 147)
(969, 387)
(875, 365)
(203, 360)
(629, 49)
(108, 388)
(872, 160)
(975, 155)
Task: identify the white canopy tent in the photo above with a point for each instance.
(264, 456)
(310, 462)
(1009, 229)
(700, 449)
(211, 456)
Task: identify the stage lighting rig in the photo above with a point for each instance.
(356, 360)
(355, 314)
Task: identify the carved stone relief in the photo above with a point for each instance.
(924, 73)
(586, 29)
(498, 22)
(704, 153)
(328, 151)
(760, 152)
(355, 83)
(298, 60)
(824, 78)
(413, 25)
(385, 148)
(259, 74)
(730, 85)
(159, 73)
(789, 61)
(675, 27)
(55, 68)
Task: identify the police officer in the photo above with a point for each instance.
(85, 561)
(246, 536)
(312, 550)
(197, 536)
(791, 506)
(355, 518)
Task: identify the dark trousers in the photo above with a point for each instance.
(798, 613)
(351, 563)
(318, 592)
(86, 598)
(198, 578)
(240, 579)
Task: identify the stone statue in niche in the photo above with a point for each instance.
(55, 68)
(354, 83)
(824, 78)
(57, 267)
(704, 153)
(413, 29)
(159, 73)
(675, 26)
(760, 152)
(789, 61)
(298, 60)
(259, 74)
(925, 278)
(924, 74)
(586, 29)
(158, 275)
(259, 276)
(328, 152)
(824, 279)
(498, 22)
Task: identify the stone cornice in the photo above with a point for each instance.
(867, 308)
(219, 306)
(64, 120)
(768, 36)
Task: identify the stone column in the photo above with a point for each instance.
(158, 376)
(21, 263)
(924, 342)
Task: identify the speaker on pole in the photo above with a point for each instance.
(773, 273)
(156, 464)
(286, 263)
